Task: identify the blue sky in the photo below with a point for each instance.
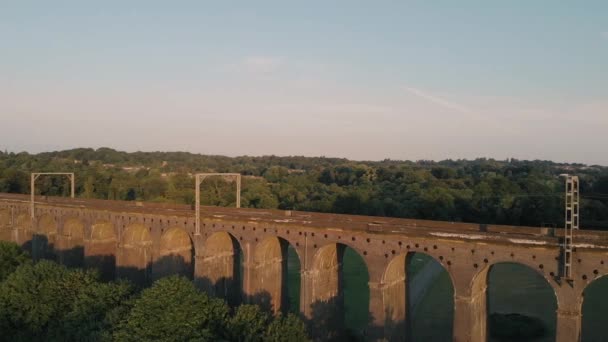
(356, 79)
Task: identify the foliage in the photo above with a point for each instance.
(33, 297)
(11, 257)
(249, 324)
(172, 309)
(46, 301)
(96, 311)
(512, 192)
(287, 328)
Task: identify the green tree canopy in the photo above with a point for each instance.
(513, 192)
(172, 309)
(48, 302)
(287, 328)
(249, 324)
(11, 257)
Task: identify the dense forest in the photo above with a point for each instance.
(514, 192)
(45, 301)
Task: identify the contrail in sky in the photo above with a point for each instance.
(439, 101)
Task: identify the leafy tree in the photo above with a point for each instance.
(89, 187)
(249, 324)
(47, 302)
(14, 180)
(96, 312)
(442, 172)
(275, 174)
(11, 257)
(511, 192)
(286, 329)
(257, 194)
(33, 298)
(172, 309)
(601, 184)
(354, 201)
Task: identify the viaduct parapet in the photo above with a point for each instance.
(146, 241)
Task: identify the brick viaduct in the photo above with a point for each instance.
(145, 241)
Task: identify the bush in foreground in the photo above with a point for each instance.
(11, 257)
(172, 309)
(48, 302)
(45, 301)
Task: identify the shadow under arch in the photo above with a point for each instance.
(276, 270)
(218, 267)
(101, 248)
(418, 297)
(340, 293)
(520, 302)
(70, 243)
(135, 254)
(44, 238)
(176, 254)
(595, 310)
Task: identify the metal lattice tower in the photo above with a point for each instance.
(572, 221)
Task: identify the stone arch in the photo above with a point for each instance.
(395, 271)
(175, 254)
(70, 243)
(521, 285)
(102, 231)
(270, 285)
(46, 225)
(22, 225)
(218, 267)
(405, 285)
(136, 235)
(23, 222)
(594, 310)
(5, 225)
(100, 249)
(45, 236)
(326, 272)
(394, 297)
(394, 289)
(329, 309)
(73, 228)
(135, 253)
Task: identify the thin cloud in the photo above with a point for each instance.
(604, 35)
(467, 112)
(439, 101)
(262, 64)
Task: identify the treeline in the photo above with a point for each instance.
(511, 192)
(45, 301)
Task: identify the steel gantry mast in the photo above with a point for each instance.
(198, 179)
(34, 176)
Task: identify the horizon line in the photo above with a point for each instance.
(509, 159)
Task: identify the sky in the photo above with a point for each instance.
(365, 80)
